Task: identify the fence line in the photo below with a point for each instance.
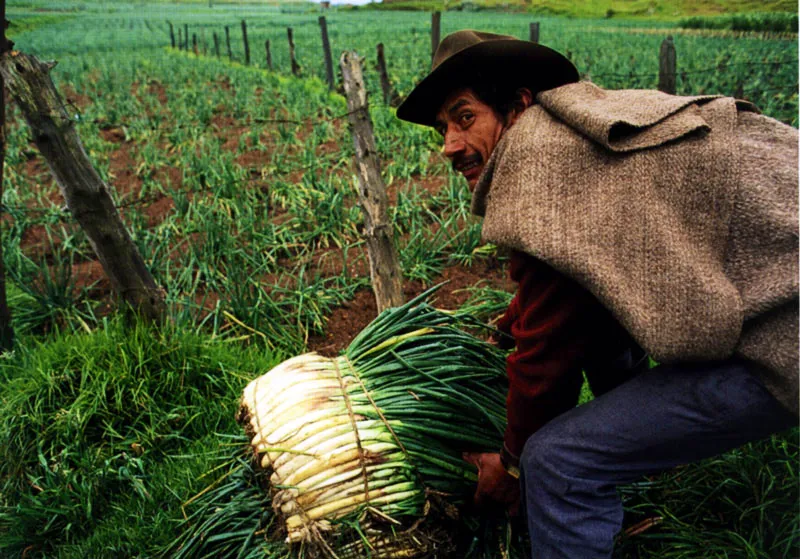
(667, 75)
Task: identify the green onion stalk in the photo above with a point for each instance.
(367, 436)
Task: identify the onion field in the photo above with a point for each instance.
(237, 186)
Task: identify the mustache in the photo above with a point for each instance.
(461, 162)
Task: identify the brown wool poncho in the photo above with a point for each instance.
(680, 214)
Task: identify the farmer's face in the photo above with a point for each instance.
(471, 130)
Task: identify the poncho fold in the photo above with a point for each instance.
(679, 214)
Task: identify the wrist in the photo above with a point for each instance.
(510, 462)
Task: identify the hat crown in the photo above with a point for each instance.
(460, 40)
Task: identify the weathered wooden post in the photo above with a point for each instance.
(386, 85)
(186, 36)
(533, 32)
(667, 67)
(6, 330)
(269, 54)
(171, 34)
(228, 42)
(180, 39)
(87, 196)
(436, 30)
(384, 264)
(216, 44)
(194, 44)
(326, 47)
(295, 65)
(246, 43)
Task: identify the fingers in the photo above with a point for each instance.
(473, 458)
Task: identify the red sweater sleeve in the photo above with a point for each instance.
(548, 319)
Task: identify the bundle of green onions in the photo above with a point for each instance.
(366, 437)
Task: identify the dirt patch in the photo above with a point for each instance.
(115, 135)
(252, 159)
(158, 211)
(346, 321)
(36, 243)
(432, 186)
(158, 90)
(331, 147)
(75, 99)
(169, 176)
(122, 167)
(228, 130)
(91, 276)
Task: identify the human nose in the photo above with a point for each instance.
(453, 144)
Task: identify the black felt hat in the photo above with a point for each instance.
(465, 54)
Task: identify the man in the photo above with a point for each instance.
(640, 223)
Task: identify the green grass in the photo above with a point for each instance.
(779, 22)
(93, 423)
(638, 9)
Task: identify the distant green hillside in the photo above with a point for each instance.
(660, 9)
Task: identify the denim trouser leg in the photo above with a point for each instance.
(661, 418)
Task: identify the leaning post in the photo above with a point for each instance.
(384, 264)
(6, 330)
(386, 85)
(326, 47)
(667, 67)
(87, 196)
(228, 42)
(533, 32)
(171, 34)
(246, 43)
(269, 54)
(295, 65)
(436, 31)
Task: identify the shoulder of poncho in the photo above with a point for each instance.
(630, 119)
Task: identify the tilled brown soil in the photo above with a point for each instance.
(343, 323)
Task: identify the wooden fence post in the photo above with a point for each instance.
(228, 42)
(667, 66)
(534, 32)
(326, 47)
(269, 54)
(386, 85)
(194, 44)
(384, 265)
(436, 29)
(171, 34)
(185, 36)
(6, 330)
(216, 44)
(180, 39)
(246, 43)
(86, 194)
(295, 65)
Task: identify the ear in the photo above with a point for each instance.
(524, 99)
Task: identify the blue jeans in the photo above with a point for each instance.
(661, 418)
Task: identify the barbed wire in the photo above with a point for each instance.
(717, 68)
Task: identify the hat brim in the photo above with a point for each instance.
(521, 63)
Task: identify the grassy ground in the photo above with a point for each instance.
(237, 186)
(647, 9)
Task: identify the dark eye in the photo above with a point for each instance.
(465, 118)
(440, 130)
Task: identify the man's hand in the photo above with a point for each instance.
(494, 482)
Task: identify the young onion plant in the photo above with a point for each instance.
(368, 436)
